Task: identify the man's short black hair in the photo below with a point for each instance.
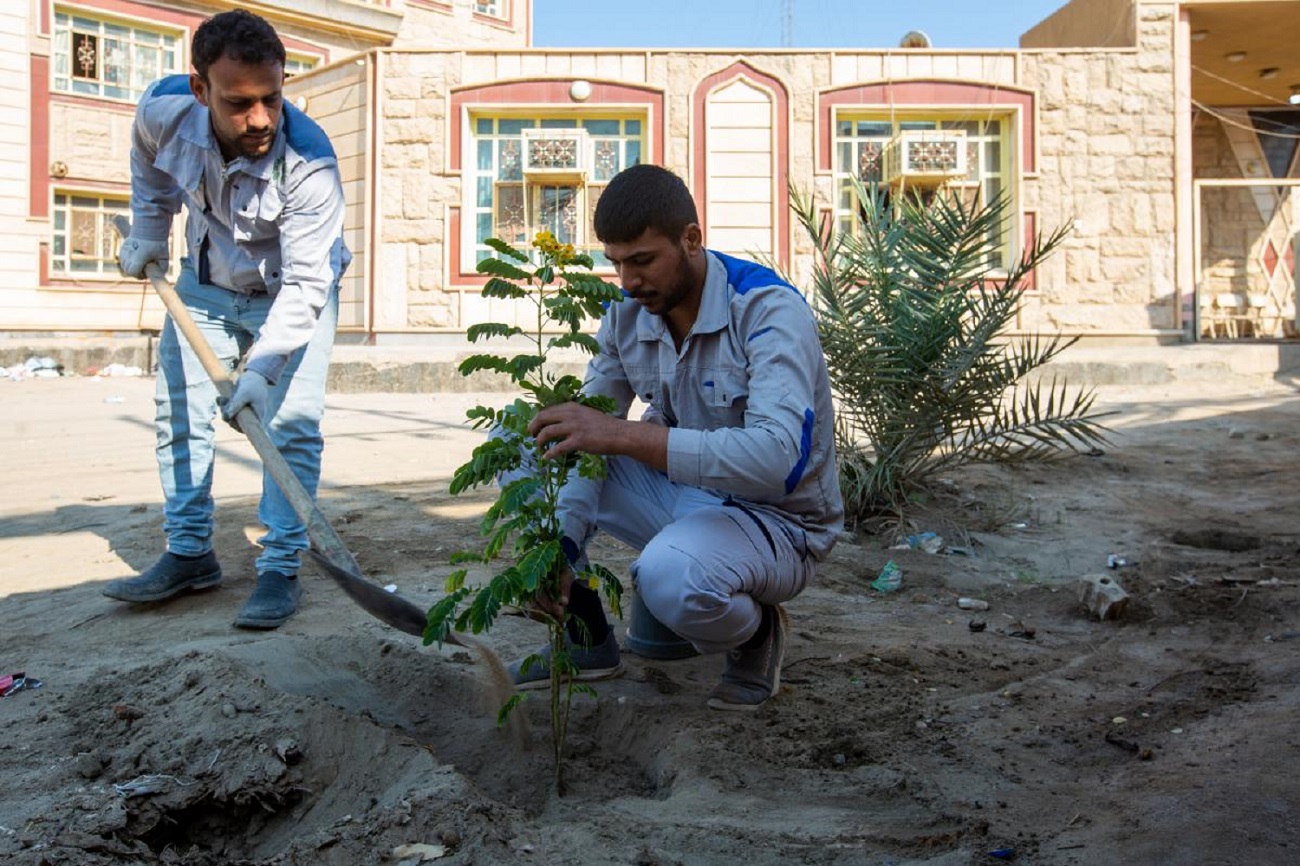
(644, 197)
(239, 35)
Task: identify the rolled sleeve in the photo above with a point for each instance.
(312, 260)
(155, 196)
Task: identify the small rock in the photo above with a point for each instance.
(288, 751)
(127, 713)
(419, 852)
(972, 604)
(90, 765)
(228, 710)
(1103, 596)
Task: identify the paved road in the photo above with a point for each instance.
(79, 451)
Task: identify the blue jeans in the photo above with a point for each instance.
(187, 415)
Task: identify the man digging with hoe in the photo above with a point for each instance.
(265, 253)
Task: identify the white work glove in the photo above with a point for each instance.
(251, 389)
(136, 253)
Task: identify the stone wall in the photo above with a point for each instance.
(1106, 121)
(1105, 142)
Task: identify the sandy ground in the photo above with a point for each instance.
(901, 736)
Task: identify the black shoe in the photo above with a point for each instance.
(169, 576)
(274, 600)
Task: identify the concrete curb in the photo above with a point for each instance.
(425, 370)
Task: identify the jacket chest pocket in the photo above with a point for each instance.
(724, 395)
(649, 389)
(256, 216)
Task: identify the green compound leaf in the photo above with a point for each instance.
(599, 402)
(508, 707)
(577, 687)
(521, 365)
(461, 556)
(591, 466)
(455, 580)
(481, 416)
(438, 622)
(474, 363)
(489, 459)
(610, 585)
(486, 330)
(586, 341)
(503, 270)
(506, 249)
(499, 288)
(514, 495)
(537, 563)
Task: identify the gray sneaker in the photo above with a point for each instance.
(752, 676)
(600, 662)
(167, 577)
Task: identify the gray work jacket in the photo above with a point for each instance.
(747, 398)
(273, 225)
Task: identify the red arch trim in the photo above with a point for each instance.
(553, 94)
(699, 148)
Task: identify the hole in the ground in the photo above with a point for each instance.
(1217, 539)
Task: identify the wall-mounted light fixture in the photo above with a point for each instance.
(1235, 56)
(1198, 35)
(580, 90)
(1295, 94)
(1269, 72)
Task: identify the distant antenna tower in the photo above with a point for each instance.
(787, 26)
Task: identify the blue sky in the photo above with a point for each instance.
(759, 23)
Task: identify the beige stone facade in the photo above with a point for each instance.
(1095, 143)
(1097, 122)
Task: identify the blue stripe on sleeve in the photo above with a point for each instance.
(805, 451)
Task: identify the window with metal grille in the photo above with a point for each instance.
(505, 200)
(109, 59)
(860, 139)
(83, 240)
(493, 8)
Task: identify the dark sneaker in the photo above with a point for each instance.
(169, 576)
(752, 676)
(274, 600)
(600, 662)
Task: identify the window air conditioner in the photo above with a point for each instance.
(925, 157)
(556, 155)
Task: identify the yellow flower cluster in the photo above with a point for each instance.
(549, 246)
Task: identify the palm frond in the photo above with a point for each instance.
(914, 323)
